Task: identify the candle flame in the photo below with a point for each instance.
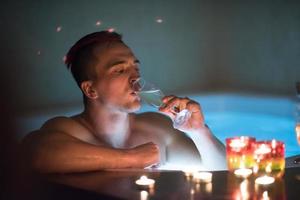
(273, 144)
(262, 149)
(237, 143)
(269, 168)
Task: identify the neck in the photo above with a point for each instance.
(108, 125)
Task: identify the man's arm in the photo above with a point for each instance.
(53, 151)
(212, 151)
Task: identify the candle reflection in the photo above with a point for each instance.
(264, 180)
(144, 195)
(204, 177)
(252, 188)
(243, 172)
(244, 191)
(265, 195)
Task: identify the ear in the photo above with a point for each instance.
(88, 90)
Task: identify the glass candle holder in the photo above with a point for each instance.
(269, 158)
(239, 152)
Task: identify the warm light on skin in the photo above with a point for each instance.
(204, 177)
(145, 182)
(243, 172)
(264, 180)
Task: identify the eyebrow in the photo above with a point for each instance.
(136, 61)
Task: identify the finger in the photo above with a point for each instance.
(175, 105)
(196, 111)
(168, 98)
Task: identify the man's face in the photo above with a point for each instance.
(117, 71)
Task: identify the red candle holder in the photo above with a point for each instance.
(269, 158)
(239, 152)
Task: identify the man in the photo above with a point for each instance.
(108, 134)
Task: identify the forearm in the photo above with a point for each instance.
(63, 153)
(212, 151)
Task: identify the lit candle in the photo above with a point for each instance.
(243, 172)
(145, 182)
(239, 151)
(264, 180)
(269, 157)
(204, 177)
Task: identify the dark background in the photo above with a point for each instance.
(200, 46)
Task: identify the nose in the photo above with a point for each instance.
(135, 83)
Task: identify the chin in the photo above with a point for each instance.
(134, 107)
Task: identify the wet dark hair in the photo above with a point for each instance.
(80, 59)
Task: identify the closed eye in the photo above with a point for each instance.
(120, 71)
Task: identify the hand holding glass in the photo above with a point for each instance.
(153, 96)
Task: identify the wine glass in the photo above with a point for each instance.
(153, 96)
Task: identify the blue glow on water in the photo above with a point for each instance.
(260, 126)
(262, 117)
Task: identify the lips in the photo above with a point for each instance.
(135, 94)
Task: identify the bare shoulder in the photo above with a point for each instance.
(65, 126)
(162, 124)
(52, 130)
(61, 124)
(155, 119)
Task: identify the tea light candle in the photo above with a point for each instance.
(145, 182)
(243, 172)
(204, 177)
(264, 180)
